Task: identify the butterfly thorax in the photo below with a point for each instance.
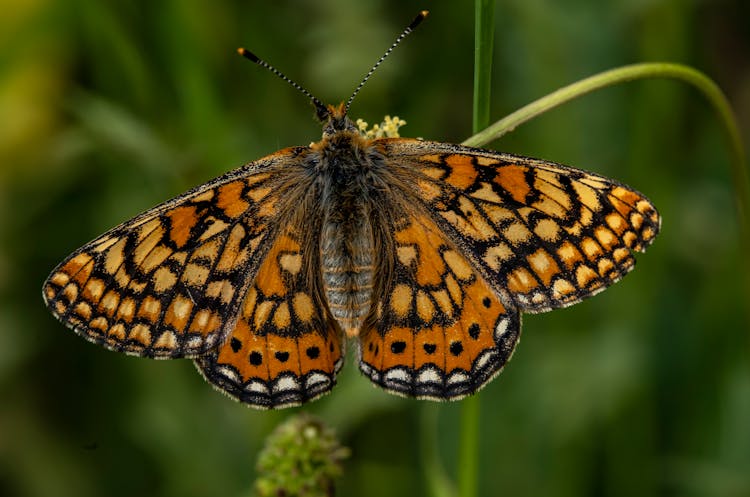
(346, 169)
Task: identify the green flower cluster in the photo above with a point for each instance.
(301, 457)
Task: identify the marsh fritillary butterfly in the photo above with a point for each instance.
(424, 253)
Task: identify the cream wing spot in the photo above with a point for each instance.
(115, 257)
(516, 233)
(548, 230)
(167, 340)
(93, 290)
(543, 265)
(425, 307)
(454, 289)
(153, 259)
(562, 287)
(497, 214)
(262, 313)
(101, 245)
(70, 292)
(148, 238)
(444, 302)
(620, 254)
(496, 255)
(303, 307)
(480, 228)
(83, 309)
(584, 276)
(486, 193)
(126, 311)
(407, 255)
(109, 302)
(591, 248)
(141, 334)
(99, 323)
(150, 309)
(616, 222)
(606, 238)
(182, 307)
(232, 254)
(201, 319)
(636, 220)
(59, 279)
(458, 265)
(604, 266)
(222, 289)
(117, 331)
(281, 317)
(208, 251)
(401, 300)
(195, 275)
(215, 226)
(163, 279)
(647, 234)
(291, 263)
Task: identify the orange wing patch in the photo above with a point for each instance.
(284, 350)
(548, 235)
(166, 283)
(439, 331)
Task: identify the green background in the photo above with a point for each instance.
(107, 108)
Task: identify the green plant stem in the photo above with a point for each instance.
(468, 452)
(483, 40)
(438, 482)
(709, 89)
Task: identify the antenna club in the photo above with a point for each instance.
(417, 20)
(248, 55)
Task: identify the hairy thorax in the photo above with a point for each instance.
(346, 174)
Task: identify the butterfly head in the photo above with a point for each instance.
(341, 136)
(335, 120)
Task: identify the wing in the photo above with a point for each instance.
(546, 234)
(436, 330)
(168, 283)
(285, 348)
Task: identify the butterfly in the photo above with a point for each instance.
(424, 254)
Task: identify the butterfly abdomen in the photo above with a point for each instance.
(347, 266)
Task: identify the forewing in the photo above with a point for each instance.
(168, 282)
(284, 349)
(437, 330)
(546, 234)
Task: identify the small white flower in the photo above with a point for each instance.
(386, 129)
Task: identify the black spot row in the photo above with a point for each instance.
(456, 348)
(256, 358)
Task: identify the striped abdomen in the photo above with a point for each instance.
(347, 261)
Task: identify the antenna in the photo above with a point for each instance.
(417, 20)
(320, 109)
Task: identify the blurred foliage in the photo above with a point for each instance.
(110, 107)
